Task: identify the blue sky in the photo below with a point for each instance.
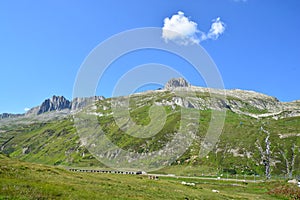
(43, 44)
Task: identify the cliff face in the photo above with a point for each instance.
(56, 103)
(60, 103)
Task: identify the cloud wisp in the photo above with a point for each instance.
(217, 29)
(183, 31)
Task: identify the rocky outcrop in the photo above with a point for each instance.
(10, 115)
(56, 103)
(245, 102)
(60, 103)
(176, 83)
(81, 102)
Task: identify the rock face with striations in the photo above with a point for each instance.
(60, 103)
(175, 83)
(55, 103)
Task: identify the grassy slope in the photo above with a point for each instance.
(56, 143)
(22, 180)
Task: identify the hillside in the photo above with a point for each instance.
(53, 137)
(22, 180)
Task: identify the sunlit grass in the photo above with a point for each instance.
(21, 180)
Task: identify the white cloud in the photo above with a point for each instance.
(217, 29)
(183, 31)
(26, 109)
(180, 29)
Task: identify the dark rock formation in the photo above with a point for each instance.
(59, 103)
(56, 103)
(175, 83)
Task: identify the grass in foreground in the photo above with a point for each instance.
(21, 180)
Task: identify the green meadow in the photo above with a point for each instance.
(22, 180)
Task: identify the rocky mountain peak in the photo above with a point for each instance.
(175, 83)
(60, 103)
(55, 103)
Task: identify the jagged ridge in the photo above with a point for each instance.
(250, 103)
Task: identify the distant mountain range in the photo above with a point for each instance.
(246, 102)
(54, 104)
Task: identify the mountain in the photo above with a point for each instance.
(52, 136)
(56, 103)
(10, 115)
(79, 103)
(176, 83)
(250, 103)
(245, 102)
(60, 103)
